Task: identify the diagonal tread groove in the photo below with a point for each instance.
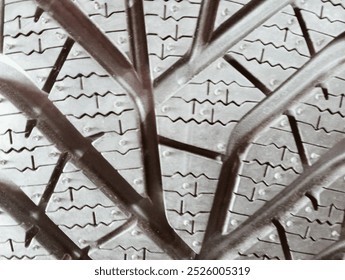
(298, 140)
(58, 65)
(283, 239)
(247, 74)
(62, 161)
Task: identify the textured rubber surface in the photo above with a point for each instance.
(172, 129)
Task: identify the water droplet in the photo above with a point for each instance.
(138, 181)
(170, 47)
(65, 180)
(44, 20)
(234, 222)
(293, 160)
(272, 236)
(122, 40)
(165, 109)
(283, 123)
(82, 241)
(289, 223)
(36, 137)
(157, 69)
(53, 154)
(9, 46)
(318, 96)
(87, 129)
(196, 243)
(174, 8)
(299, 111)
(335, 233)
(273, 82)
(76, 53)
(118, 104)
(182, 81)
(56, 199)
(97, 6)
(135, 232)
(186, 222)
(115, 212)
(135, 257)
(320, 42)
(220, 65)
(243, 47)
(59, 88)
(303, 1)
(3, 162)
(218, 91)
(225, 12)
(36, 195)
(261, 192)
(41, 79)
(291, 21)
(185, 185)
(166, 153)
(314, 156)
(221, 146)
(36, 247)
(204, 112)
(277, 176)
(299, 42)
(308, 209)
(60, 35)
(122, 142)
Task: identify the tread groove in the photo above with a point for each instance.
(298, 140)
(48, 85)
(305, 31)
(62, 161)
(283, 239)
(188, 148)
(247, 74)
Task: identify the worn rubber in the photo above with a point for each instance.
(161, 129)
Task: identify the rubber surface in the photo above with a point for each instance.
(172, 129)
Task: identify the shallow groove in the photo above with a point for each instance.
(48, 85)
(247, 74)
(298, 140)
(283, 239)
(188, 148)
(48, 192)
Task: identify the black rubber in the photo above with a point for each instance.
(159, 129)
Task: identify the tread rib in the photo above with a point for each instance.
(249, 127)
(224, 37)
(60, 131)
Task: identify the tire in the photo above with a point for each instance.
(172, 129)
